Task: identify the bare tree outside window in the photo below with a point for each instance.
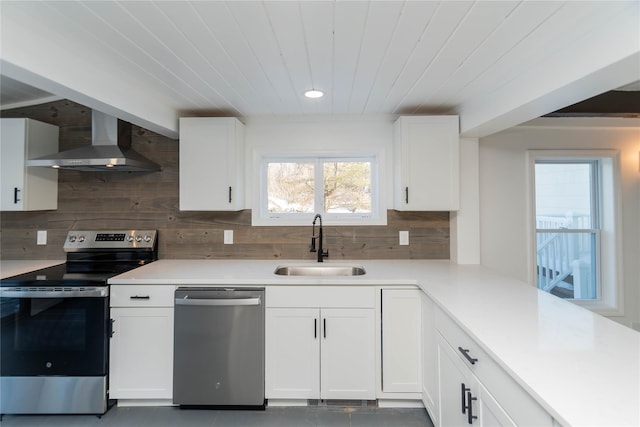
(290, 187)
(347, 187)
(344, 187)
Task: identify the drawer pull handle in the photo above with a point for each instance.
(465, 353)
(140, 297)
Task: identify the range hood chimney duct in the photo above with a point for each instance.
(110, 150)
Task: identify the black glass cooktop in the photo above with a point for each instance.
(71, 274)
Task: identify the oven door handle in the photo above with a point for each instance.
(218, 302)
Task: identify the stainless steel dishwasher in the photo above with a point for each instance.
(219, 347)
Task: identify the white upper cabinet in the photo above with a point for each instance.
(212, 158)
(27, 188)
(426, 163)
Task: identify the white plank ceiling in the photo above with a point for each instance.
(256, 58)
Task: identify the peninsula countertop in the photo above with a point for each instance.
(582, 368)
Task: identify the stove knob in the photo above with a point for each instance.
(129, 238)
(147, 238)
(138, 238)
(72, 239)
(81, 239)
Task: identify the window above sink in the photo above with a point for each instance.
(343, 188)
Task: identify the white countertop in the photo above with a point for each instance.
(582, 368)
(10, 268)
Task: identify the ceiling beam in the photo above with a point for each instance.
(603, 60)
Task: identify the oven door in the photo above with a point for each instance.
(49, 333)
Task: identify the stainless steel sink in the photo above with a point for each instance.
(320, 270)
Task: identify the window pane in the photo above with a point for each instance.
(564, 195)
(347, 187)
(566, 264)
(290, 187)
(565, 199)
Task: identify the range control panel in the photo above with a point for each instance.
(110, 239)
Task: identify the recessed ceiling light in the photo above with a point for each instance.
(313, 93)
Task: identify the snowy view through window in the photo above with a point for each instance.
(323, 186)
(567, 228)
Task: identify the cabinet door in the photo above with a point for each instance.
(401, 349)
(430, 388)
(491, 413)
(141, 354)
(25, 188)
(12, 158)
(456, 382)
(348, 354)
(426, 151)
(211, 164)
(292, 359)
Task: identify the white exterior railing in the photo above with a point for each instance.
(564, 248)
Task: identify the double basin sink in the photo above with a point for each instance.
(320, 270)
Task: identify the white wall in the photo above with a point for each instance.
(504, 196)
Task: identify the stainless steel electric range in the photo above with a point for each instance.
(54, 340)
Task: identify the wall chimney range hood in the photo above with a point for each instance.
(110, 150)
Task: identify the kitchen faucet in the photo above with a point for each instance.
(321, 254)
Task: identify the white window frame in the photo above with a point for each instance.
(609, 236)
(260, 215)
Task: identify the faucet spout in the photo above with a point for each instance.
(319, 237)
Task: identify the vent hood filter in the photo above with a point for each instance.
(110, 150)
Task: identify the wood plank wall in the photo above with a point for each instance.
(98, 200)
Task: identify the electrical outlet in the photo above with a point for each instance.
(404, 238)
(228, 237)
(41, 237)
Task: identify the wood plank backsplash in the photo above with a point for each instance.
(98, 200)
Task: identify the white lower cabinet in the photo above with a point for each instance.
(474, 390)
(430, 385)
(463, 398)
(347, 354)
(401, 341)
(292, 350)
(141, 348)
(319, 352)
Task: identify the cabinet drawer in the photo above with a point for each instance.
(142, 295)
(321, 296)
(517, 403)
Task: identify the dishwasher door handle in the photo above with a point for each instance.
(218, 302)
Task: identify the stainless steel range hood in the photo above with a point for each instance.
(110, 150)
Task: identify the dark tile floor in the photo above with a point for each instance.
(271, 417)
